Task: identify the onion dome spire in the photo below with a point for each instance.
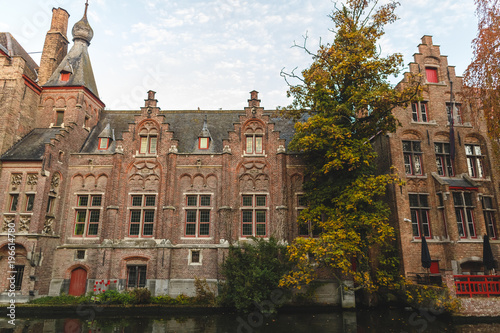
(82, 29)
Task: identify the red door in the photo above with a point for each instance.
(78, 282)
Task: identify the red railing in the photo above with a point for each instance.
(477, 285)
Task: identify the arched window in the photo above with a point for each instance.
(254, 140)
(148, 141)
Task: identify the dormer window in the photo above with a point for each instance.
(204, 137)
(105, 138)
(103, 143)
(65, 76)
(203, 143)
(431, 74)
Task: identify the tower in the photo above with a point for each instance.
(56, 45)
(70, 94)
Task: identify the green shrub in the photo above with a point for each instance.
(204, 293)
(252, 273)
(163, 299)
(61, 300)
(115, 297)
(184, 300)
(141, 296)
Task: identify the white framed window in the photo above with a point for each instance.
(103, 144)
(195, 257)
(87, 215)
(198, 215)
(30, 202)
(475, 160)
(142, 213)
(412, 158)
(13, 203)
(457, 113)
(464, 212)
(443, 159)
(489, 216)
(419, 112)
(148, 141)
(419, 208)
(203, 143)
(254, 212)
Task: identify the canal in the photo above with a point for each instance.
(384, 321)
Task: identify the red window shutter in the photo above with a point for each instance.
(434, 267)
(432, 75)
(65, 76)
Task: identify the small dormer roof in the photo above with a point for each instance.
(205, 133)
(107, 132)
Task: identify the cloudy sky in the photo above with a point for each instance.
(211, 53)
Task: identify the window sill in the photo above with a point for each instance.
(84, 238)
(467, 124)
(433, 239)
(469, 240)
(417, 176)
(436, 83)
(139, 155)
(485, 179)
(431, 122)
(196, 238)
(254, 155)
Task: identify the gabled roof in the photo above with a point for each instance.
(185, 125)
(32, 146)
(11, 47)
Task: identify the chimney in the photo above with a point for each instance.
(254, 99)
(151, 101)
(56, 45)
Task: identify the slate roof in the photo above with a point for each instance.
(15, 49)
(186, 127)
(459, 182)
(77, 62)
(32, 146)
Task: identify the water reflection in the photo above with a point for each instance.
(360, 321)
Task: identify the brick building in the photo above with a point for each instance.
(450, 196)
(140, 198)
(154, 197)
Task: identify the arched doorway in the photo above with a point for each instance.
(78, 282)
(472, 267)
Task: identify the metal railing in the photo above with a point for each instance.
(477, 285)
(426, 278)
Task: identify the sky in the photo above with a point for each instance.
(210, 54)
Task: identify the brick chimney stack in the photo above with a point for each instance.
(56, 45)
(254, 99)
(151, 101)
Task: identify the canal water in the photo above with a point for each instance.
(396, 320)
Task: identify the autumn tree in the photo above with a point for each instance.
(341, 103)
(482, 77)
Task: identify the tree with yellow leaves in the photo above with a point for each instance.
(347, 101)
(482, 77)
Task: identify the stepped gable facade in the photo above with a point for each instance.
(107, 199)
(146, 198)
(443, 154)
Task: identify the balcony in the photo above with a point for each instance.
(426, 278)
(477, 285)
